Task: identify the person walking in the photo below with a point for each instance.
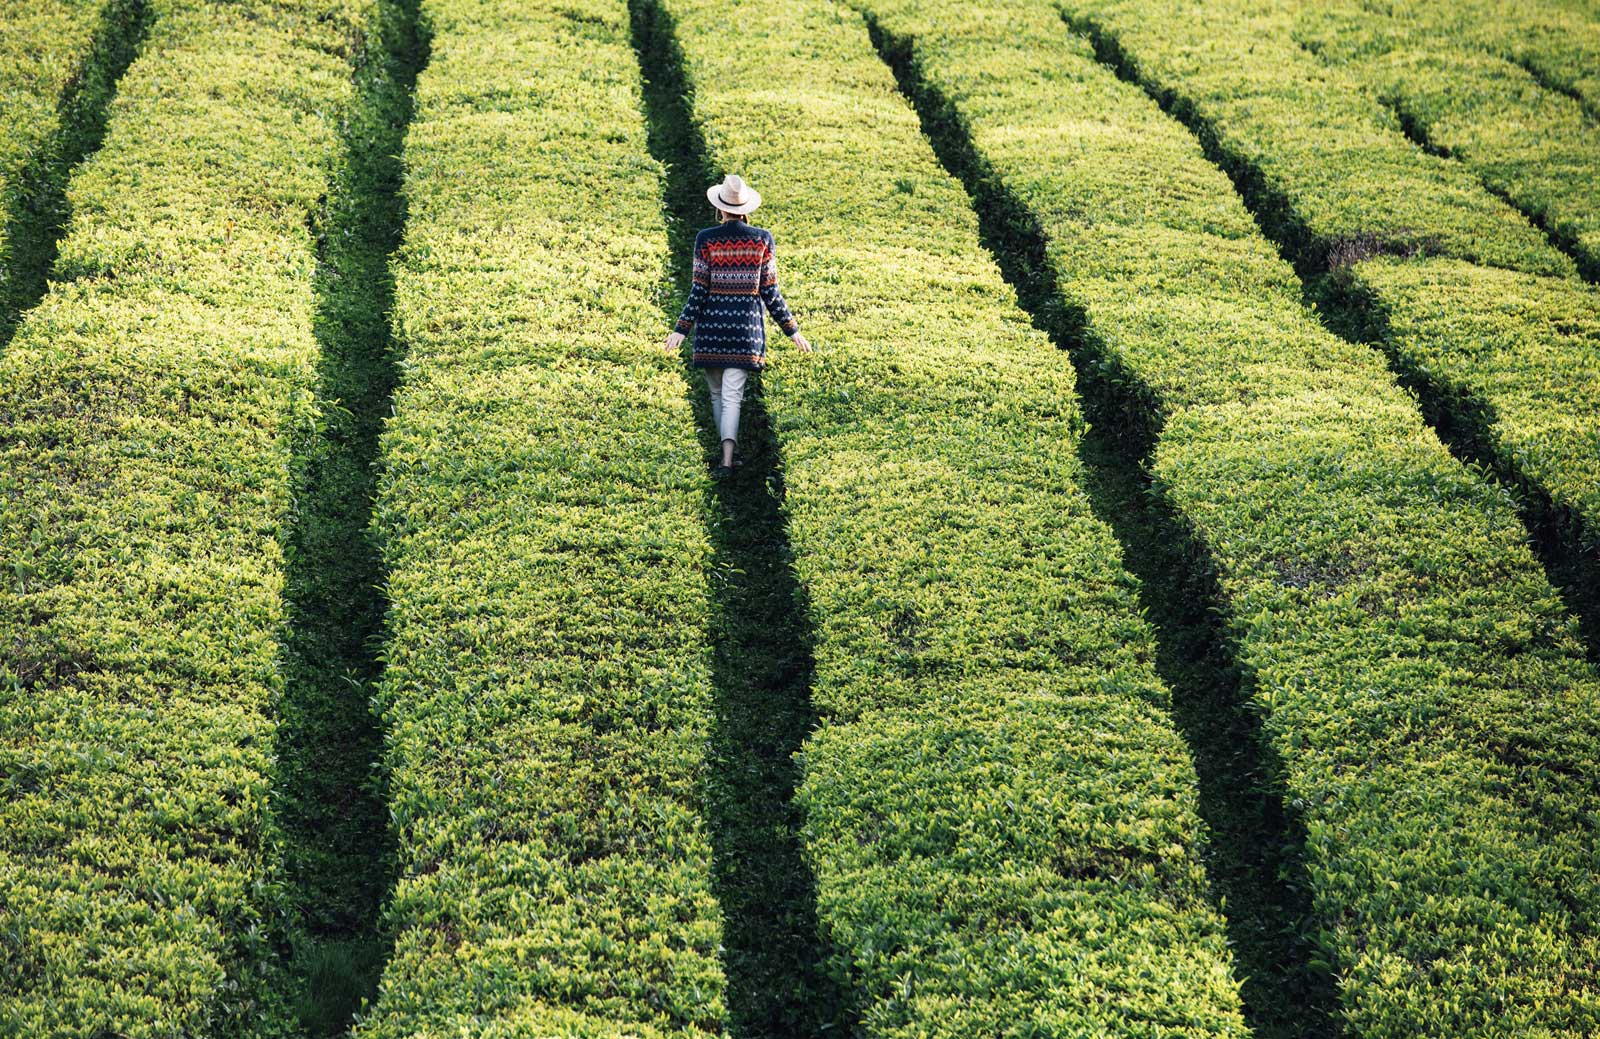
(735, 274)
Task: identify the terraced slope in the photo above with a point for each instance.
(999, 813)
(148, 409)
(547, 688)
(1417, 676)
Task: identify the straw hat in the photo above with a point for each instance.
(733, 195)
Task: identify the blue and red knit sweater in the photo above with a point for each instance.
(735, 273)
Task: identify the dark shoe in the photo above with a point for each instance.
(721, 472)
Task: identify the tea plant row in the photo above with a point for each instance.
(1332, 178)
(547, 690)
(998, 810)
(148, 411)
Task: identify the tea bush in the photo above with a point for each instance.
(998, 810)
(1536, 147)
(1308, 146)
(57, 61)
(1511, 365)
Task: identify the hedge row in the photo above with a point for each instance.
(1437, 726)
(547, 682)
(1537, 148)
(56, 63)
(147, 410)
(998, 811)
(1309, 169)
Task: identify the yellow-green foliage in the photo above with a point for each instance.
(1333, 169)
(999, 813)
(146, 412)
(43, 48)
(1535, 146)
(1556, 40)
(1524, 349)
(1418, 679)
(547, 685)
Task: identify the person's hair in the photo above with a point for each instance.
(724, 215)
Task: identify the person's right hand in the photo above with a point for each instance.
(801, 342)
(674, 340)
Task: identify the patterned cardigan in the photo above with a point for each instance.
(735, 273)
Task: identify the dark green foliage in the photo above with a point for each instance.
(333, 977)
(547, 678)
(147, 409)
(1435, 727)
(999, 814)
(328, 787)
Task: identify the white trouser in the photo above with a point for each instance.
(727, 395)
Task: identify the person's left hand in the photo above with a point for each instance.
(674, 340)
(802, 343)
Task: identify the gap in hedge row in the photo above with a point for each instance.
(1566, 551)
(38, 215)
(762, 658)
(331, 796)
(1253, 866)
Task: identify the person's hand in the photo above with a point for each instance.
(674, 340)
(802, 342)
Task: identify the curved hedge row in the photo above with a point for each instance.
(1252, 94)
(1438, 727)
(1510, 366)
(147, 409)
(547, 674)
(1335, 176)
(49, 77)
(1556, 41)
(999, 813)
(1536, 148)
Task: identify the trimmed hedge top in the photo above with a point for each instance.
(1465, 97)
(45, 49)
(547, 684)
(1515, 357)
(1336, 175)
(1528, 409)
(1418, 679)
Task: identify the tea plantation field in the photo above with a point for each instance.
(1165, 604)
